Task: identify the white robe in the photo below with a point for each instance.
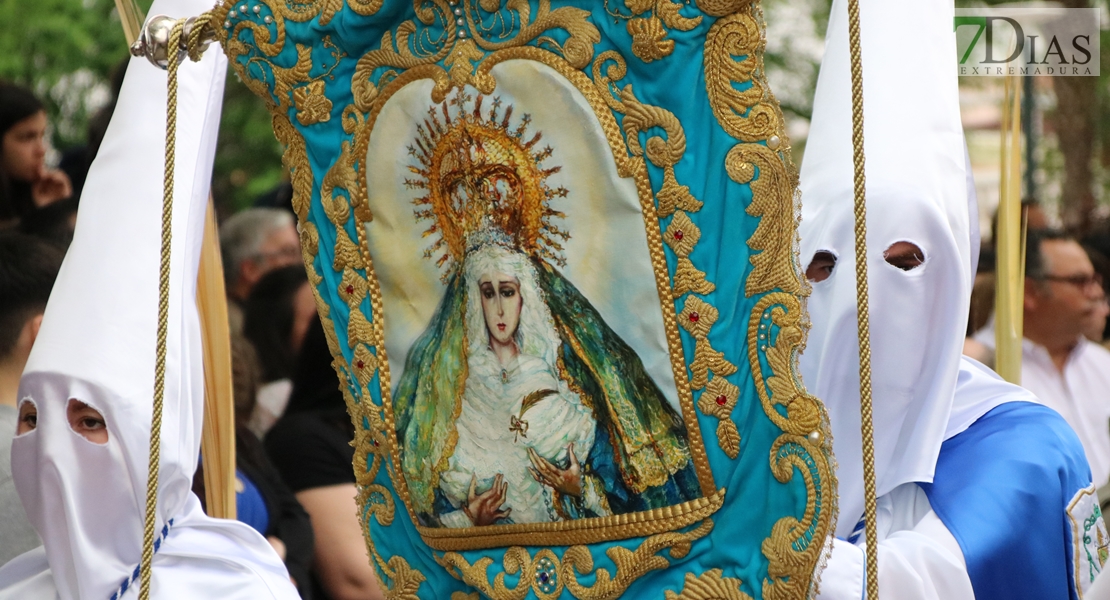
(488, 446)
(918, 557)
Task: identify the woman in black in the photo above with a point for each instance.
(311, 447)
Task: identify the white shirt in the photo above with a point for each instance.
(1081, 394)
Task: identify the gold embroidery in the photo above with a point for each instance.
(576, 561)
(312, 105)
(662, 153)
(710, 585)
(781, 387)
(718, 400)
(681, 235)
(734, 53)
(649, 42)
(746, 115)
(697, 317)
(649, 39)
(772, 201)
(393, 66)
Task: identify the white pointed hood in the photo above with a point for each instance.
(917, 191)
(97, 345)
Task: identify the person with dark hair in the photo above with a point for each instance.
(276, 316)
(262, 499)
(311, 448)
(1066, 371)
(54, 223)
(25, 182)
(28, 267)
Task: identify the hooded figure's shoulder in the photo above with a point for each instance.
(27, 577)
(1015, 490)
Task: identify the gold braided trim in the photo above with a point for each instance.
(794, 549)
(710, 585)
(579, 531)
(563, 575)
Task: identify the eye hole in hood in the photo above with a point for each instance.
(821, 267)
(904, 255)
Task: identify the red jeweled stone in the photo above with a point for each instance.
(678, 235)
(721, 400)
(360, 364)
(350, 289)
(694, 317)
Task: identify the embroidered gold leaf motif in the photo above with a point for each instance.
(359, 330)
(729, 438)
(649, 41)
(772, 260)
(364, 363)
(681, 234)
(697, 317)
(711, 585)
(405, 580)
(668, 12)
(346, 252)
(781, 387)
(719, 398)
(688, 278)
(673, 196)
(352, 288)
(465, 596)
(312, 105)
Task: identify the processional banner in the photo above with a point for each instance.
(553, 246)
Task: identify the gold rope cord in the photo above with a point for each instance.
(163, 318)
(863, 304)
(194, 49)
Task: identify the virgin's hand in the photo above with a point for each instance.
(51, 186)
(485, 508)
(566, 481)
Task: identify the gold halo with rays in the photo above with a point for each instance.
(483, 181)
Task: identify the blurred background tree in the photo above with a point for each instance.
(66, 51)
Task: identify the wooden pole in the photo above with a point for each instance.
(1010, 242)
(218, 442)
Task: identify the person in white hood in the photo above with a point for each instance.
(983, 492)
(79, 460)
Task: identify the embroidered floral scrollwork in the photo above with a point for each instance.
(710, 585)
(547, 575)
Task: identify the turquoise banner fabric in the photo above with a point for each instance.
(553, 247)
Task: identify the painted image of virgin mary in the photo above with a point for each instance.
(518, 403)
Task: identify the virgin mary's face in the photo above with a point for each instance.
(500, 305)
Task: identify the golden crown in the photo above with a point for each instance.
(484, 182)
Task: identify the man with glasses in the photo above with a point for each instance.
(1066, 371)
(255, 242)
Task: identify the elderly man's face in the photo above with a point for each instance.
(281, 248)
(1069, 294)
